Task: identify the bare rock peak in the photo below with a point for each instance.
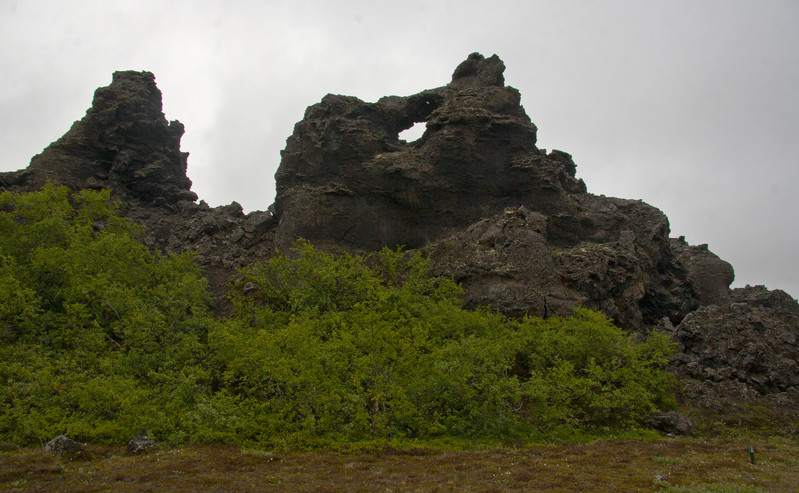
(478, 70)
(124, 142)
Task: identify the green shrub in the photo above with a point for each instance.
(353, 348)
(101, 337)
(585, 371)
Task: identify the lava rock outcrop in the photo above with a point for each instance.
(346, 178)
(123, 143)
(511, 222)
(740, 351)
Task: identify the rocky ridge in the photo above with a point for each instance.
(511, 222)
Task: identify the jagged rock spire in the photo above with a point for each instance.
(477, 71)
(124, 142)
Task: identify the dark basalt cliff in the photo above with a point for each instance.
(123, 143)
(509, 221)
(345, 176)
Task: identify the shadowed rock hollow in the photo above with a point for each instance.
(509, 221)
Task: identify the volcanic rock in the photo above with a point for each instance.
(346, 178)
(708, 274)
(523, 262)
(740, 351)
(530, 239)
(508, 220)
(140, 443)
(123, 143)
(62, 445)
(672, 423)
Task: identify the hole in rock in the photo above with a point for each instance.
(413, 133)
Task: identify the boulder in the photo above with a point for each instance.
(740, 351)
(62, 445)
(671, 423)
(140, 443)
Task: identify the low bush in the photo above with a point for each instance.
(102, 337)
(350, 348)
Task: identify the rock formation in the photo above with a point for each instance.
(140, 444)
(508, 220)
(530, 239)
(346, 178)
(741, 350)
(125, 143)
(61, 445)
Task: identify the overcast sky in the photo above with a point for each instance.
(692, 106)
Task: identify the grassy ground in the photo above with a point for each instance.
(672, 465)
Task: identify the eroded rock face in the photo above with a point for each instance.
(224, 238)
(530, 239)
(741, 350)
(710, 276)
(523, 262)
(123, 143)
(346, 177)
(505, 262)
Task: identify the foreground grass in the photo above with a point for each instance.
(674, 465)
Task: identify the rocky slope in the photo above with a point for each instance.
(740, 351)
(508, 220)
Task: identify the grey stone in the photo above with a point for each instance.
(62, 445)
(671, 422)
(140, 443)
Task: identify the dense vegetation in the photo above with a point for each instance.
(102, 337)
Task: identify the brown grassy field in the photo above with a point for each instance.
(672, 465)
